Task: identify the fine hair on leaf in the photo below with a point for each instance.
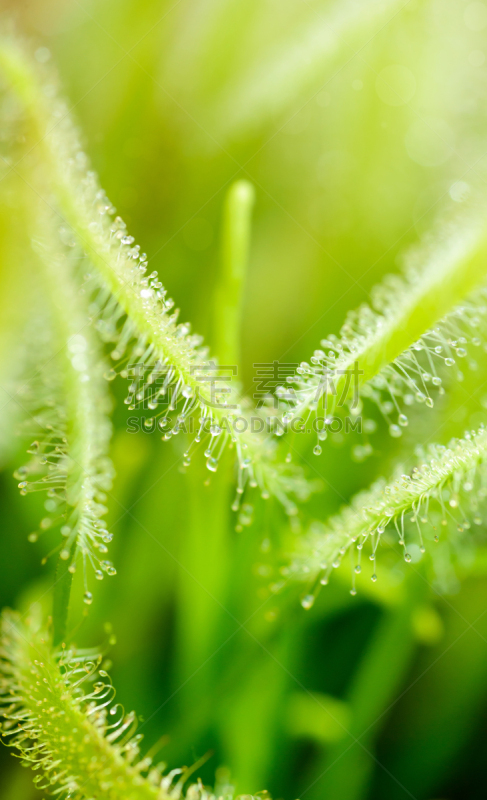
(62, 721)
(133, 312)
(398, 350)
(440, 497)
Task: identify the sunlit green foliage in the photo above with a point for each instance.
(276, 161)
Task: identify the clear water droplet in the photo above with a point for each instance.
(307, 601)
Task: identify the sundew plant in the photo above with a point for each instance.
(243, 388)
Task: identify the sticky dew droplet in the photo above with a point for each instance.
(307, 601)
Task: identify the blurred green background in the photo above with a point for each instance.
(357, 123)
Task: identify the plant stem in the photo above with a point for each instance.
(227, 318)
(208, 543)
(61, 597)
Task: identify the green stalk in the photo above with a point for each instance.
(206, 547)
(61, 596)
(234, 255)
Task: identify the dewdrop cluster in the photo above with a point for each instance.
(155, 381)
(61, 719)
(167, 366)
(130, 307)
(447, 489)
(361, 363)
(414, 377)
(68, 408)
